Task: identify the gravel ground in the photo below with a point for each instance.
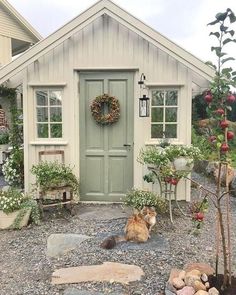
(25, 269)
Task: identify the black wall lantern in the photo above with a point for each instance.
(144, 100)
(144, 106)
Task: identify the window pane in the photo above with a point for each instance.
(55, 97)
(42, 98)
(158, 98)
(56, 130)
(55, 114)
(42, 130)
(171, 114)
(172, 98)
(171, 131)
(42, 114)
(157, 131)
(157, 114)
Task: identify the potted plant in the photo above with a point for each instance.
(52, 175)
(137, 199)
(183, 156)
(16, 208)
(154, 157)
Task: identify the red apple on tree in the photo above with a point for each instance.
(230, 98)
(212, 138)
(174, 181)
(199, 216)
(220, 111)
(208, 97)
(230, 135)
(224, 124)
(224, 147)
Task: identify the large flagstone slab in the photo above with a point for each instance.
(108, 271)
(59, 244)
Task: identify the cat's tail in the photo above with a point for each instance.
(110, 242)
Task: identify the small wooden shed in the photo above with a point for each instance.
(105, 50)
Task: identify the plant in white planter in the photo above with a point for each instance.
(16, 209)
(183, 156)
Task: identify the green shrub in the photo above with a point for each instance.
(51, 175)
(137, 199)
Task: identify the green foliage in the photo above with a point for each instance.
(202, 144)
(4, 135)
(12, 200)
(176, 151)
(51, 175)
(153, 155)
(220, 88)
(138, 199)
(13, 168)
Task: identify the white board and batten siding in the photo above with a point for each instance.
(103, 45)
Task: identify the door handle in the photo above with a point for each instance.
(127, 144)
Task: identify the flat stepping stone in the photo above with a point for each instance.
(60, 244)
(157, 242)
(108, 271)
(105, 213)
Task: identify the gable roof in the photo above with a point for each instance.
(123, 17)
(22, 22)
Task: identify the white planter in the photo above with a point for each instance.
(6, 220)
(183, 164)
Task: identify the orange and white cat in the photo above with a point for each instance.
(137, 229)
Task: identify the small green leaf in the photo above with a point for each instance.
(217, 34)
(227, 70)
(218, 145)
(221, 16)
(214, 22)
(231, 32)
(227, 41)
(209, 63)
(220, 137)
(232, 17)
(227, 59)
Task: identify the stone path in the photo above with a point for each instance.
(108, 271)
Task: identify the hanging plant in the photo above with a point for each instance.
(100, 104)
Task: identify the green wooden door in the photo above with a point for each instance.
(106, 162)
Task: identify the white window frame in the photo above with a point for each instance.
(49, 138)
(167, 88)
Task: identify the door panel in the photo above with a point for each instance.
(106, 165)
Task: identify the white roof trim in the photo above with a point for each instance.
(22, 20)
(123, 17)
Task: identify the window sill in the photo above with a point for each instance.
(157, 142)
(47, 142)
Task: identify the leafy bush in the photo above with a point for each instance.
(138, 199)
(13, 168)
(4, 135)
(202, 144)
(51, 175)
